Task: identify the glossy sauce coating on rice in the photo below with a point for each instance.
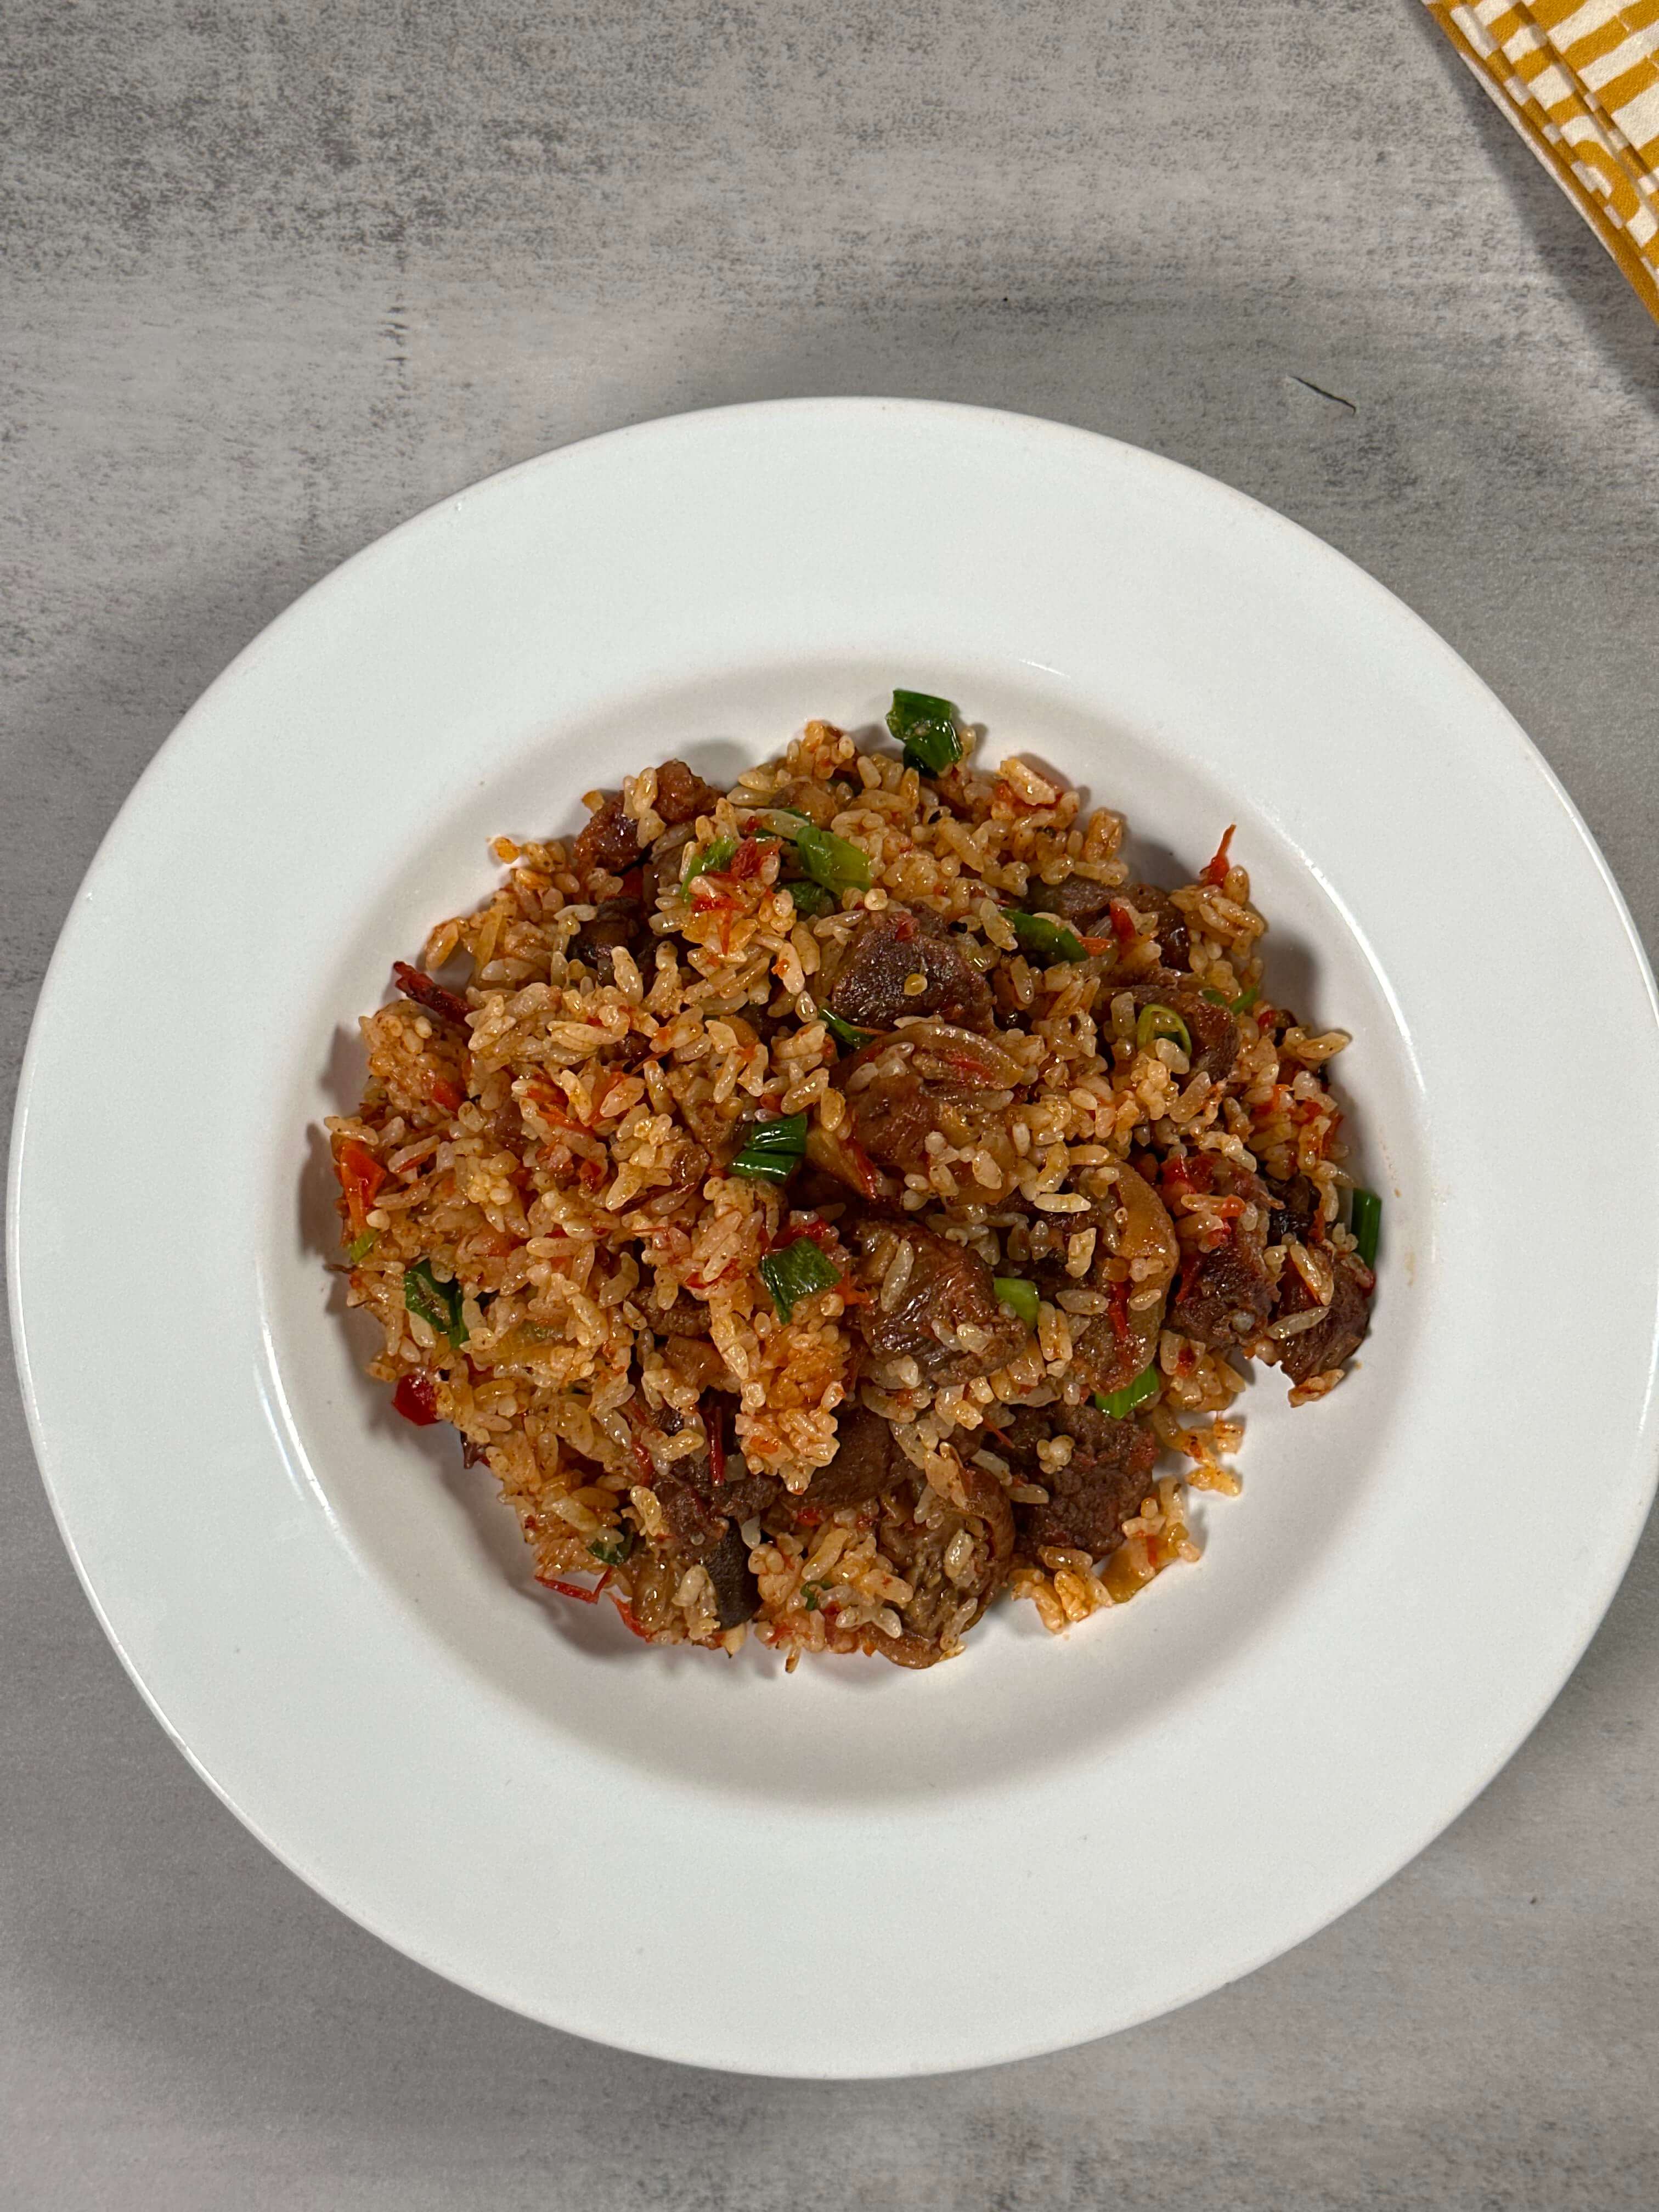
(1064, 1164)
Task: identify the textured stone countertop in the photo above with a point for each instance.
(279, 276)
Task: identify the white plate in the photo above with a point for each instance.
(858, 1870)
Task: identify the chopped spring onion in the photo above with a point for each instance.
(1241, 1005)
(847, 1033)
(809, 898)
(1163, 1022)
(714, 856)
(927, 728)
(795, 1272)
(612, 1546)
(773, 1149)
(1365, 1219)
(360, 1247)
(1120, 1404)
(811, 1596)
(437, 1303)
(831, 860)
(1042, 934)
(1018, 1296)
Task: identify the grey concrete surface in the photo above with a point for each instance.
(278, 274)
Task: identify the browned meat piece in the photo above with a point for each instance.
(1098, 1489)
(415, 983)
(687, 1316)
(1169, 923)
(615, 921)
(682, 795)
(1224, 1296)
(662, 866)
(893, 1118)
(1074, 899)
(1339, 1335)
(867, 1462)
(1213, 1030)
(610, 842)
(931, 1075)
(944, 1606)
(695, 1361)
(1295, 1209)
(893, 946)
(933, 1302)
(696, 1507)
(737, 1593)
(1132, 1227)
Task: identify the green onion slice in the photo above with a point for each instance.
(1018, 1296)
(360, 1247)
(847, 1033)
(717, 856)
(927, 728)
(831, 860)
(811, 1596)
(1042, 934)
(810, 898)
(437, 1303)
(1120, 1404)
(795, 1272)
(611, 1547)
(1241, 1005)
(1365, 1219)
(1163, 1022)
(773, 1149)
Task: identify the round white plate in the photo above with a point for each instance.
(856, 1870)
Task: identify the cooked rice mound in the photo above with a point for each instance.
(973, 1323)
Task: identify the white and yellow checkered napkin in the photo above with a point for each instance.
(1579, 79)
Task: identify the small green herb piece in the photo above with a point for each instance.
(1365, 1219)
(437, 1303)
(1018, 1296)
(795, 1272)
(773, 1149)
(1163, 1022)
(612, 1546)
(1120, 1404)
(927, 728)
(1042, 934)
(1241, 1005)
(831, 860)
(811, 899)
(845, 1032)
(812, 1594)
(360, 1247)
(717, 856)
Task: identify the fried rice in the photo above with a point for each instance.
(829, 1203)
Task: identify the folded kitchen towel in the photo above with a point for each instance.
(1579, 80)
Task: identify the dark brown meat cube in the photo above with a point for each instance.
(1225, 1296)
(1295, 1209)
(890, 948)
(1099, 1488)
(1074, 899)
(694, 1506)
(687, 1316)
(615, 921)
(682, 795)
(737, 1593)
(1168, 925)
(610, 842)
(892, 1119)
(1213, 1030)
(947, 1292)
(943, 1608)
(867, 1462)
(1341, 1333)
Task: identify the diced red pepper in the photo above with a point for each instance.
(746, 861)
(361, 1176)
(1214, 870)
(417, 1398)
(1122, 921)
(415, 983)
(443, 1095)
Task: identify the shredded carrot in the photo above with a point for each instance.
(1214, 870)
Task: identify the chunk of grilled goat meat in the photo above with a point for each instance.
(609, 841)
(1294, 1210)
(1169, 923)
(1315, 1350)
(737, 1593)
(1225, 1293)
(1099, 1487)
(930, 1077)
(895, 947)
(946, 1600)
(696, 1506)
(682, 794)
(1074, 899)
(933, 1302)
(1213, 1030)
(867, 1462)
(617, 921)
(1133, 1232)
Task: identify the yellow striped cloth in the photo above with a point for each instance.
(1579, 79)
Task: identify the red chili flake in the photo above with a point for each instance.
(361, 1176)
(631, 1620)
(1097, 944)
(1122, 921)
(415, 983)
(745, 862)
(574, 1589)
(1119, 1312)
(1214, 870)
(591, 1174)
(417, 1398)
(443, 1095)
